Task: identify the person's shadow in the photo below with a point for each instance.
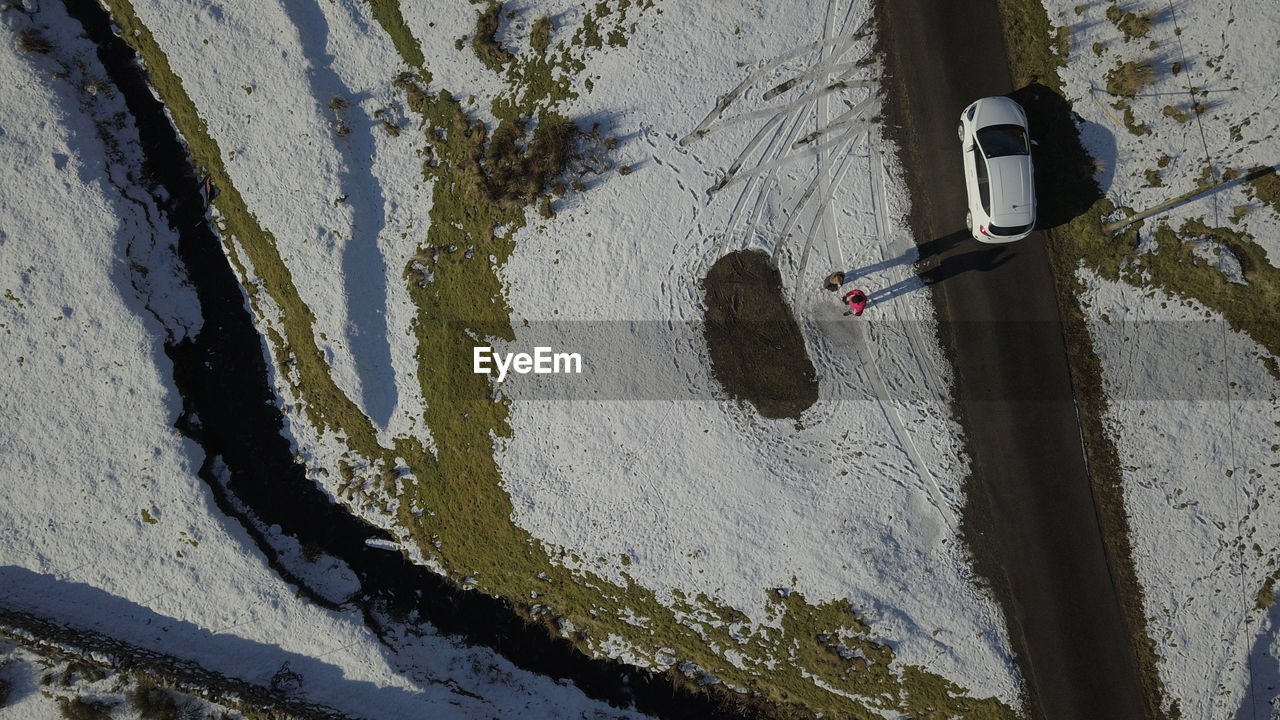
(933, 265)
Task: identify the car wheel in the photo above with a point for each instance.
(968, 220)
(960, 132)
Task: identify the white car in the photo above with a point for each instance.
(997, 170)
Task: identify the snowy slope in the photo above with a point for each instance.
(103, 522)
(858, 501)
(1194, 414)
(276, 86)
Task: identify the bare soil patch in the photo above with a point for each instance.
(757, 351)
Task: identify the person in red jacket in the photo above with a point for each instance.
(857, 301)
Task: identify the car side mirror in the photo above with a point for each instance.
(1035, 143)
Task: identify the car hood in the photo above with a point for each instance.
(999, 111)
(1013, 198)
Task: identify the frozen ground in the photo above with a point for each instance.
(858, 500)
(1194, 415)
(37, 686)
(686, 492)
(1220, 54)
(276, 83)
(1193, 411)
(103, 522)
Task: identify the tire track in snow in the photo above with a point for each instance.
(812, 187)
(761, 185)
(834, 158)
(824, 168)
(899, 245)
(704, 127)
(868, 358)
(824, 210)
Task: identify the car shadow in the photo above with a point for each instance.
(937, 264)
(1069, 178)
(933, 265)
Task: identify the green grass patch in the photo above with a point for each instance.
(540, 35)
(1127, 78)
(1267, 593)
(388, 15)
(1031, 41)
(485, 40)
(1131, 24)
(1266, 189)
(1177, 113)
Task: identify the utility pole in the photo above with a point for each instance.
(1188, 196)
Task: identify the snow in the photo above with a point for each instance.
(103, 522)
(348, 202)
(1192, 409)
(1226, 53)
(36, 681)
(859, 500)
(1194, 414)
(1220, 256)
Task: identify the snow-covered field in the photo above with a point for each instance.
(1194, 415)
(1193, 409)
(698, 501)
(1209, 108)
(857, 500)
(103, 521)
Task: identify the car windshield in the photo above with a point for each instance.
(1001, 140)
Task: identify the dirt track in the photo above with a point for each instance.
(1030, 519)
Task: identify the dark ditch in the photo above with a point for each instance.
(231, 411)
(757, 350)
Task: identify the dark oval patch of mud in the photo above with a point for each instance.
(757, 351)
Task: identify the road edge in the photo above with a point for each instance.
(1036, 58)
(972, 524)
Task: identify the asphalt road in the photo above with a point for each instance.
(1030, 520)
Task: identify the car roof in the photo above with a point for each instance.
(999, 111)
(1012, 190)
